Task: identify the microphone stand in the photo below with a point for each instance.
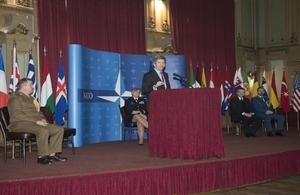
(183, 82)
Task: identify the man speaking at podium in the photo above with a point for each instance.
(156, 79)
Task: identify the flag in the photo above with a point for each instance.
(264, 84)
(203, 77)
(220, 85)
(227, 95)
(296, 93)
(237, 80)
(31, 76)
(61, 102)
(273, 93)
(15, 74)
(192, 78)
(3, 87)
(284, 99)
(247, 86)
(197, 78)
(255, 85)
(211, 81)
(47, 99)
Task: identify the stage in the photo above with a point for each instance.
(118, 168)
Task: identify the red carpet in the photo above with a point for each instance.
(126, 168)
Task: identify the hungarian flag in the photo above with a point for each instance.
(192, 78)
(273, 93)
(31, 76)
(203, 77)
(284, 99)
(47, 99)
(3, 87)
(15, 74)
(61, 102)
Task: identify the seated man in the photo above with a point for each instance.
(136, 110)
(241, 109)
(25, 116)
(263, 108)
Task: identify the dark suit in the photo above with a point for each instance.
(260, 106)
(23, 117)
(150, 79)
(237, 108)
(131, 104)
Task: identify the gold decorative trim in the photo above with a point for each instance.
(294, 38)
(20, 9)
(25, 3)
(167, 49)
(20, 29)
(151, 23)
(165, 26)
(278, 49)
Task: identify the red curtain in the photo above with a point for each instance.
(203, 31)
(114, 25)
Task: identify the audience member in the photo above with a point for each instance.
(136, 111)
(241, 110)
(25, 116)
(263, 108)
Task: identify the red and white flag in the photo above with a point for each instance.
(15, 74)
(284, 99)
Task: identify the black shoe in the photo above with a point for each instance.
(248, 135)
(140, 144)
(278, 133)
(270, 134)
(44, 160)
(57, 158)
(252, 135)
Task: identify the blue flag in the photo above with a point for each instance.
(61, 102)
(31, 76)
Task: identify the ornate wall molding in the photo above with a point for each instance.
(277, 49)
(19, 9)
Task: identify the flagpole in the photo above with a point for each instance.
(297, 121)
(287, 122)
(14, 65)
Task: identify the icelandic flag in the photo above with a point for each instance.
(61, 102)
(31, 76)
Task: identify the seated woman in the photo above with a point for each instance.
(136, 110)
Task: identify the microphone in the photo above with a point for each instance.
(177, 75)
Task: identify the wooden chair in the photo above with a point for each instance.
(69, 133)
(8, 136)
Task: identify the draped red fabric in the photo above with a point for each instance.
(114, 25)
(203, 31)
(190, 178)
(185, 124)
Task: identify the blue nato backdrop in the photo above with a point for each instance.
(100, 81)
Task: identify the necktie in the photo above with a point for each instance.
(36, 104)
(162, 77)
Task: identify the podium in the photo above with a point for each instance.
(185, 124)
